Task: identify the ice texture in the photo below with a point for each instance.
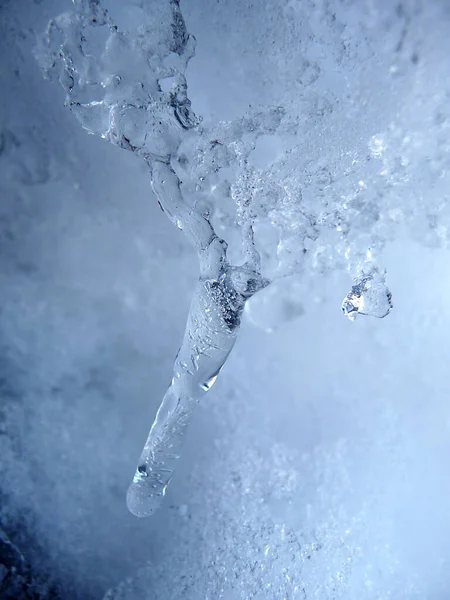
(368, 296)
(310, 137)
(146, 109)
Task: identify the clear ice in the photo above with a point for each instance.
(368, 296)
(136, 114)
(317, 467)
(123, 71)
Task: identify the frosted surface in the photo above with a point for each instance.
(302, 150)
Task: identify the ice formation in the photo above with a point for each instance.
(123, 70)
(135, 113)
(318, 466)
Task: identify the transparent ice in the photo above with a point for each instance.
(297, 212)
(298, 152)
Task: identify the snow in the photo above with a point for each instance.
(316, 465)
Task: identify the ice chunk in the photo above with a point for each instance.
(369, 296)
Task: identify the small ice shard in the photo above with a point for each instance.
(369, 296)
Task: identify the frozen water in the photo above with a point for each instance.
(213, 321)
(368, 296)
(129, 108)
(316, 468)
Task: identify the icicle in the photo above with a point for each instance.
(114, 81)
